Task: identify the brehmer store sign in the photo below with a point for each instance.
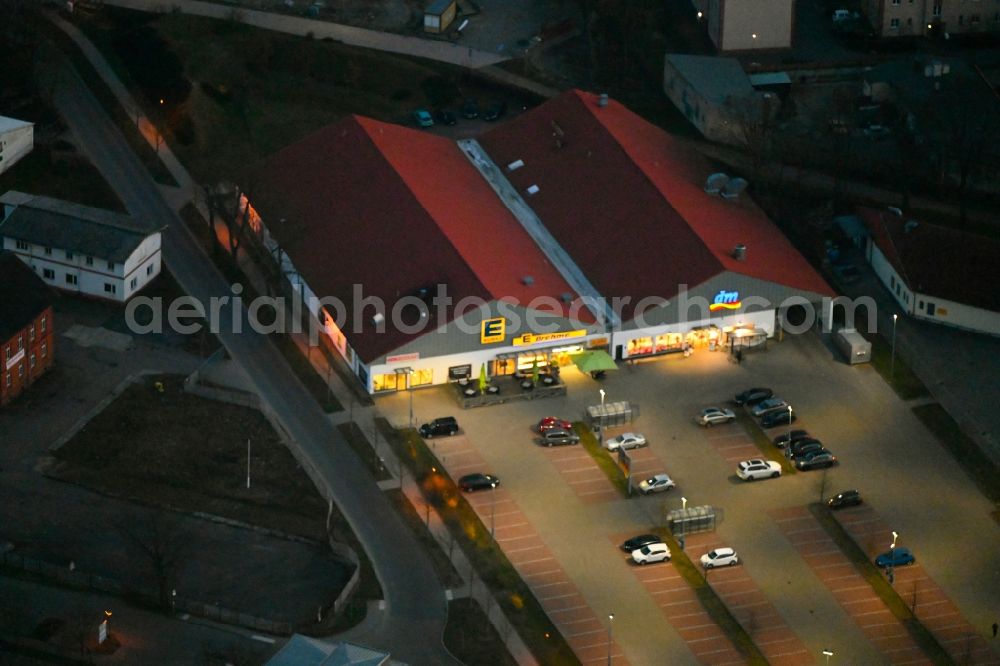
(536, 338)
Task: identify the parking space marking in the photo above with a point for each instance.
(851, 591)
(932, 606)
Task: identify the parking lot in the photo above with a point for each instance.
(884, 451)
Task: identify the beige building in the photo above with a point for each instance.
(902, 18)
(748, 25)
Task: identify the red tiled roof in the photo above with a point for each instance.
(938, 261)
(394, 209)
(625, 200)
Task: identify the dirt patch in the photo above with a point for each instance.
(174, 449)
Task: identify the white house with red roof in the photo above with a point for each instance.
(575, 226)
(935, 273)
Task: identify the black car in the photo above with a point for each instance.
(637, 542)
(803, 446)
(444, 117)
(753, 396)
(470, 109)
(784, 439)
(473, 482)
(446, 425)
(815, 460)
(496, 111)
(776, 418)
(846, 498)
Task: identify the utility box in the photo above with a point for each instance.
(853, 346)
(439, 15)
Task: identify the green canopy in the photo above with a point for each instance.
(594, 361)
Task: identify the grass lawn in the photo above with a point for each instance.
(896, 374)
(471, 638)
(491, 565)
(976, 464)
(173, 448)
(605, 461)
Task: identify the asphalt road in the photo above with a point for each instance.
(416, 606)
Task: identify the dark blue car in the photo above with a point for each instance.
(896, 557)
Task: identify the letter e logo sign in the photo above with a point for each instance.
(493, 330)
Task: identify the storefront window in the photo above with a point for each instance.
(504, 366)
(669, 342)
(639, 346)
(422, 377)
(388, 382)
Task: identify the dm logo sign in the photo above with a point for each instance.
(726, 300)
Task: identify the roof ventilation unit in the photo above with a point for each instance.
(740, 252)
(566, 297)
(715, 183)
(378, 319)
(734, 188)
(602, 101)
(893, 209)
(910, 226)
(533, 189)
(515, 165)
(528, 280)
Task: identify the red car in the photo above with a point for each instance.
(551, 423)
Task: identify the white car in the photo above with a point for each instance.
(654, 552)
(748, 470)
(712, 415)
(720, 557)
(656, 484)
(628, 440)
(769, 405)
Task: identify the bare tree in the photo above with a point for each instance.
(754, 116)
(162, 542)
(80, 627)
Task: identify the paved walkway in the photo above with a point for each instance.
(450, 52)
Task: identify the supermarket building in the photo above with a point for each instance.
(574, 226)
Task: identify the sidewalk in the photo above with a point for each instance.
(450, 52)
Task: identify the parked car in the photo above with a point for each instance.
(656, 484)
(750, 470)
(496, 111)
(897, 557)
(780, 417)
(844, 499)
(473, 482)
(470, 109)
(637, 542)
(445, 117)
(720, 557)
(769, 405)
(803, 447)
(446, 425)
(654, 552)
(847, 273)
(713, 415)
(877, 131)
(816, 460)
(628, 440)
(423, 118)
(753, 395)
(784, 439)
(552, 422)
(559, 436)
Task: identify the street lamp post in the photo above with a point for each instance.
(493, 510)
(892, 557)
(611, 619)
(248, 463)
(600, 425)
(789, 425)
(684, 503)
(892, 361)
(409, 389)
(827, 653)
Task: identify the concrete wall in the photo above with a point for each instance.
(15, 144)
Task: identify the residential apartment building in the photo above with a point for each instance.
(79, 249)
(748, 25)
(902, 18)
(26, 326)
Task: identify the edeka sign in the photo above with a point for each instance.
(726, 300)
(493, 330)
(533, 339)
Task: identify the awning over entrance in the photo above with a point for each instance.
(594, 361)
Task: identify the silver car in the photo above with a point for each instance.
(769, 405)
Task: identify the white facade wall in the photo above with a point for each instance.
(15, 144)
(772, 21)
(92, 276)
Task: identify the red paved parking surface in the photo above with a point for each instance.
(685, 613)
(751, 608)
(732, 443)
(584, 632)
(582, 474)
(886, 634)
(926, 599)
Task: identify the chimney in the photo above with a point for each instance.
(740, 252)
(528, 280)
